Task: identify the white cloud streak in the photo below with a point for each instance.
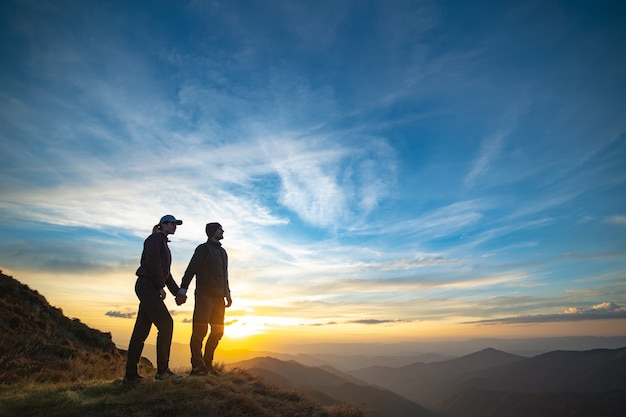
(604, 311)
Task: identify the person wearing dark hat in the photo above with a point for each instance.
(153, 275)
(209, 264)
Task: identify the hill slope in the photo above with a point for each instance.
(40, 344)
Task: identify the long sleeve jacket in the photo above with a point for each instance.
(209, 264)
(156, 260)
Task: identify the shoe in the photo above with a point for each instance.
(132, 380)
(167, 375)
(199, 371)
(213, 371)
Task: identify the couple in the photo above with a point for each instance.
(209, 264)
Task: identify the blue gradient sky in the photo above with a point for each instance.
(384, 170)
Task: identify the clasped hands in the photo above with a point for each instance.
(181, 299)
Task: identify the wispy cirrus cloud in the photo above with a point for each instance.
(489, 149)
(369, 322)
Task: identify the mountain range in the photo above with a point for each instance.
(487, 383)
(328, 386)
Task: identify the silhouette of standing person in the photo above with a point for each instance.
(153, 275)
(209, 264)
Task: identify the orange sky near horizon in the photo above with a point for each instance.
(245, 330)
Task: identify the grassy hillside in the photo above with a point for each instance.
(40, 344)
(234, 394)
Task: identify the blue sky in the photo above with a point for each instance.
(383, 169)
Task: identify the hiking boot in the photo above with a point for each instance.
(199, 371)
(167, 375)
(212, 371)
(132, 380)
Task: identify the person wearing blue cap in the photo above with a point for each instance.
(153, 275)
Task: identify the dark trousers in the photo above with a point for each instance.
(152, 309)
(209, 310)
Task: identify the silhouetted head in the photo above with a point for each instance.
(167, 224)
(211, 228)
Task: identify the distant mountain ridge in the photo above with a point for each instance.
(596, 370)
(487, 383)
(491, 383)
(423, 382)
(527, 347)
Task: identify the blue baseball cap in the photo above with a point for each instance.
(170, 218)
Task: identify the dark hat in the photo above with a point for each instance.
(170, 218)
(211, 228)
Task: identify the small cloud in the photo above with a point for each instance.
(322, 324)
(603, 311)
(599, 307)
(229, 323)
(177, 312)
(187, 320)
(373, 321)
(121, 315)
(620, 220)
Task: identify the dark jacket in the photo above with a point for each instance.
(209, 264)
(156, 260)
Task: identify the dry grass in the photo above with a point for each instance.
(40, 344)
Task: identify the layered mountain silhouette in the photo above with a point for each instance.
(596, 370)
(425, 382)
(487, 383)
(494, 383)
(329, 386)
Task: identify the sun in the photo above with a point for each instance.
(244, 326)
